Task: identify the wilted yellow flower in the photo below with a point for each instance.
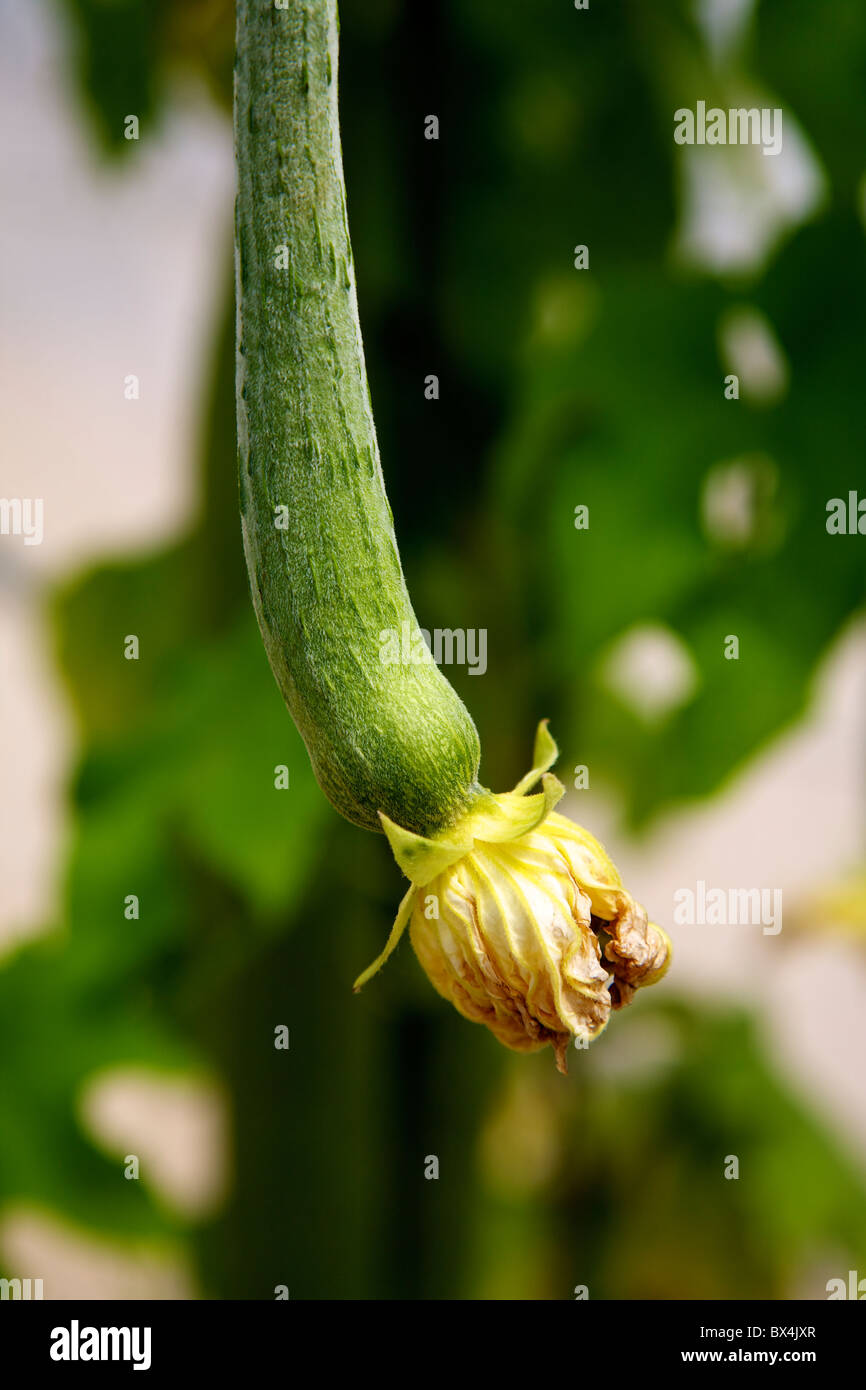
(536, 937)
(519, 917)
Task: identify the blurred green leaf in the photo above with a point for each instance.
(51, 1040)
(599, 422)
(125, 49)
(197, 769)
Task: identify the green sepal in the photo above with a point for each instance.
(401, 921)
(544, 755)
(491, 818)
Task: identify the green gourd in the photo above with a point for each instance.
(323, 563)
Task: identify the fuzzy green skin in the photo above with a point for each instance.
(392, 738)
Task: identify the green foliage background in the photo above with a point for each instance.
(259, 907)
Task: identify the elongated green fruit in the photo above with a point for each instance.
(318, 532)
